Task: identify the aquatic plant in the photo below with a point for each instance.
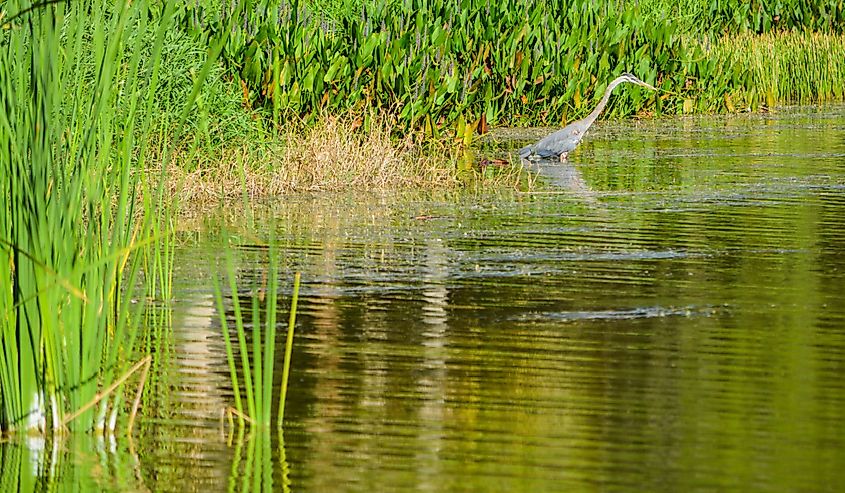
(460, 66)
(78, 83)
(800, 67)
(748, 16)
(257, 357)
(66, 208)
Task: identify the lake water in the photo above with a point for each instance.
(666, 312)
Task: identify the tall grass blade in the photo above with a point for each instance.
(288, 351)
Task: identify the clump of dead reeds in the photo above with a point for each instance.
(333, 155)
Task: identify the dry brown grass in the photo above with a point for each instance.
(331, 156)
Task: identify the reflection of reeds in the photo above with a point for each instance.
(257, 357)
(253, 465)
(82, 462)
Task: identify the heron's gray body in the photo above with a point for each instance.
(556, 144)
(559, 144)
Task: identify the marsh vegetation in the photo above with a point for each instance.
(116, 117)
(448, 71)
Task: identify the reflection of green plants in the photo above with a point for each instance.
(257, 357)
(252, 465)
(83, 462)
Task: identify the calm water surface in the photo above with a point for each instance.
(664, 313)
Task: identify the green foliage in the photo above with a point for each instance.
(761, 71)
(67, 154)
(463, 63)
(218, 116)
(256, 355)
(744, 16)
(761, 16)
(79, 86)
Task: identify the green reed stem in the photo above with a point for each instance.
(230, 355)
(241, 335)
(257, 367)
(72, 85)
(271, 295)
(288, 350)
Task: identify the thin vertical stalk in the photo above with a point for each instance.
(239, 330)
(257, 366)
(230, 356)
(288, 350)
(271, 295)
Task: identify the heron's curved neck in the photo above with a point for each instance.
(604, 99)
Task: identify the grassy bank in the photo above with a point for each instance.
(331, 155)
(229, 156)
(358, 94)
(339, 94)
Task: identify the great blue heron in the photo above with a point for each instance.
(562, 142)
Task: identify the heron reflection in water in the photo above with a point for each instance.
(561, 143)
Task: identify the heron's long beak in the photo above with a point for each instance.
(648, 86)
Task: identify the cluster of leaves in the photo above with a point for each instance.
(761, 16)
(468, 63)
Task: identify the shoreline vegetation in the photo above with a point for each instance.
(118, 116)
(416, 81)
(328, 156)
